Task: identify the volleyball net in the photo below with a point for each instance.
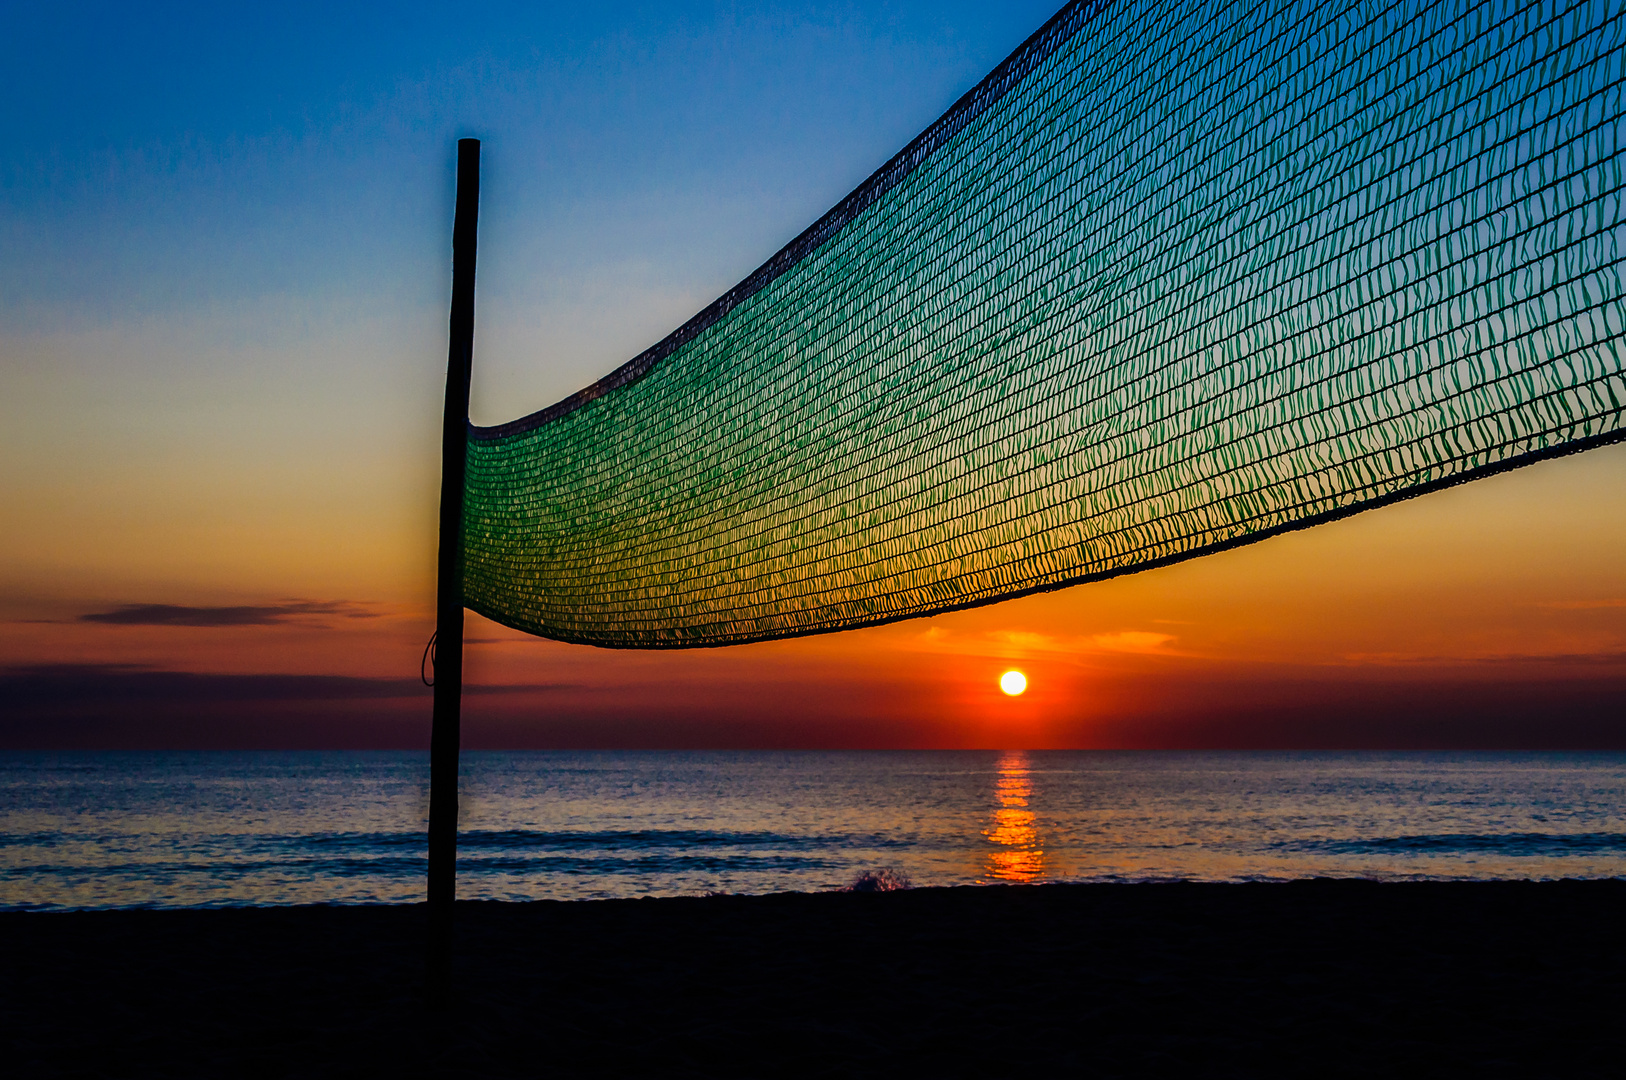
(1176, 276)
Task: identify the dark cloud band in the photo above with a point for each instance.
(121, 684)
(256, 615)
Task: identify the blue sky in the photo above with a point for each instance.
(220, 165)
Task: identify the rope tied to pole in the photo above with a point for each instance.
(427, 663)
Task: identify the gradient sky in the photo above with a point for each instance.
(222, 350)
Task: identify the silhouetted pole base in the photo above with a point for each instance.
(444, 738)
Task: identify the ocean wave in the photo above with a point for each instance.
(476, 840)
(479, 840)
(395, 866)
(1517, 843)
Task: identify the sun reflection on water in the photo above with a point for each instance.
(1018, 855)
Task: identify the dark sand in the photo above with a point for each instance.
(1312, 978)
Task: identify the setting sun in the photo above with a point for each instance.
(1013, 682)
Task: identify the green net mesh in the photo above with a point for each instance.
(1176, 276)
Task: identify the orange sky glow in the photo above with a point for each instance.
(1493, 613)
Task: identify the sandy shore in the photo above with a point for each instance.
(1306, 978)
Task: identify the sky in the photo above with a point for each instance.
(222, 354)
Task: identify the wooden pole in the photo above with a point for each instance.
(444, 737)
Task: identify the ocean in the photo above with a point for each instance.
(110, 830)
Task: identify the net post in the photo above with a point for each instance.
(444, 738)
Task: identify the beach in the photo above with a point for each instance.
(1322, 976)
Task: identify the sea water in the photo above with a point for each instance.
(222, 829)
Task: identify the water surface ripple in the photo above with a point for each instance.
(224, 829)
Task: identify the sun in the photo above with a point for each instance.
(1013, 682)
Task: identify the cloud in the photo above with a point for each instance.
(132, 707)
(1604, 658)
(1027, 644)
(259, 615)
(122, 685)
(1132, 641)
(1025, 641)
(501, 689)
(126, 684)
(1005, 644)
